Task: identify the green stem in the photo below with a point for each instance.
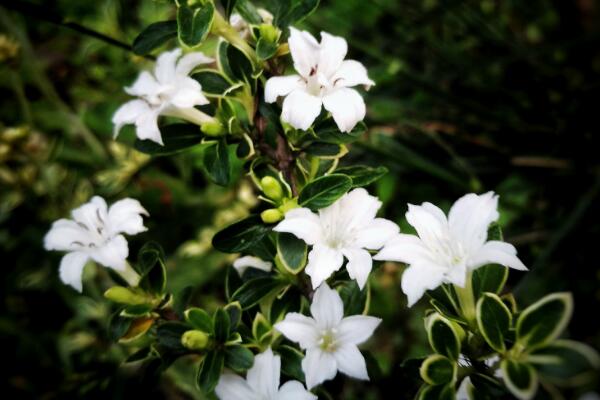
(466, 299)
(129, 275)
(220, 27)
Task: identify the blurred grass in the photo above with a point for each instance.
(470, 96)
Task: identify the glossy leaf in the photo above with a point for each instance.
(210, 371)
(520, 378)
(240, 236)
(362, 175)
(216, 163)
(176, 138)
(254, 290)
(493, 319)
(443, 336)
(437, 370)
(238, 358)
(153, 36)
(222, 325)
(292, 252)
(199, 319)
(194, 23)
(544, 320)
(324, 191)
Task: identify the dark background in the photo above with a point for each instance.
(470, 96)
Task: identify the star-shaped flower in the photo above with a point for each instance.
(261, 383)
(447, 248)
(95, 232)
(330, 340)
(169, 91)
(324, 78)
(346, 228)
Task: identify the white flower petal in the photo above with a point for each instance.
(405, 248)
(91, 214)
(332, 53)
(128, 113)
(147, 126)
(294, 390)
(425, 219)
(359, 265)
(300, 329)
(263, 377)
(300, 109)
(457, 275)
(302, 223)
(126, 216)
(71, 269)
(327, 307)
(144, 85)
(470, 217)
(352, 73)
(418, 278)
(376, 234)
(496, 252)
(351, 362)
(356, 329)
(322, 262)
(465, 389)
(112, 254)
(357, 209)
(190, 61)
(318, 367)
(166, 65)
(233, 387)
(242, 263)
(347, 107)
(282, 86)
(65, 235)
(190, 95)
(305, 51)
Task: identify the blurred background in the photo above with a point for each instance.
(471, 95)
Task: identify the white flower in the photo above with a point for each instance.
(330, 340)
(261, 383)
(447, 248)
(243, 263)
(345, 228)
(95, 232)
(170, 91)
(325, 78)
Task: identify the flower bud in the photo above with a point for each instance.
(269, 32)
(212, 128)
(288, 204)
(271, 188)
(271, 216)
(194, 340)
(123, 295)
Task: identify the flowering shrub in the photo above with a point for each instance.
(298, 295)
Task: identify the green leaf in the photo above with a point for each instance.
(254, 290)
(326, 150)
(248, 11)
(222, 325)
(324, 191)
(362, 175)
(355, 301)
(544, 321)
(240, 236)
(292, 252)
(151, 265)
(153, 36)
(520, 378)
(168, 335)
(213, 82)
(210, 371)
(265, 49)
(199, 319)
(235, 314)
(291, 362)
(437, 370)
(176, 138)
(118, 325)
(216, 163)
(437, 392)
(444, 337)
(495, 232)
(493, 320)
(327, 131)
(228, 6)
(234, 63)
(489, 278)
(238, 358)
(194, 23)
(288, 12)
(566, 362)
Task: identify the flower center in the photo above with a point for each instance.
(328, 341)
(448, 251)
(98, 233)
(313, 86)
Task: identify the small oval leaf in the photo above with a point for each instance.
(324, 191)
(493, 319)
(544, 321)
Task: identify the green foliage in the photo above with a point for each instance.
(292, 252)
(544, 320)
(154, 36)
(176, 138)
(194, 23)
(444, 336)
(521, 379)
(323, 191)
(438, 370)
(494, 320)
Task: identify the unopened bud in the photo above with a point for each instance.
(271, 216)
(271, 188)
(123, 295)
(212, 128)
(194, 340)
(269, 32)
(288, 204)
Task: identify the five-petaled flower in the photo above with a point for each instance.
(170, 92)
(330, 340)
(261, 383)
(95, 232)
(245, 262)
(446, 249)
(346, 228)
(325, 78)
